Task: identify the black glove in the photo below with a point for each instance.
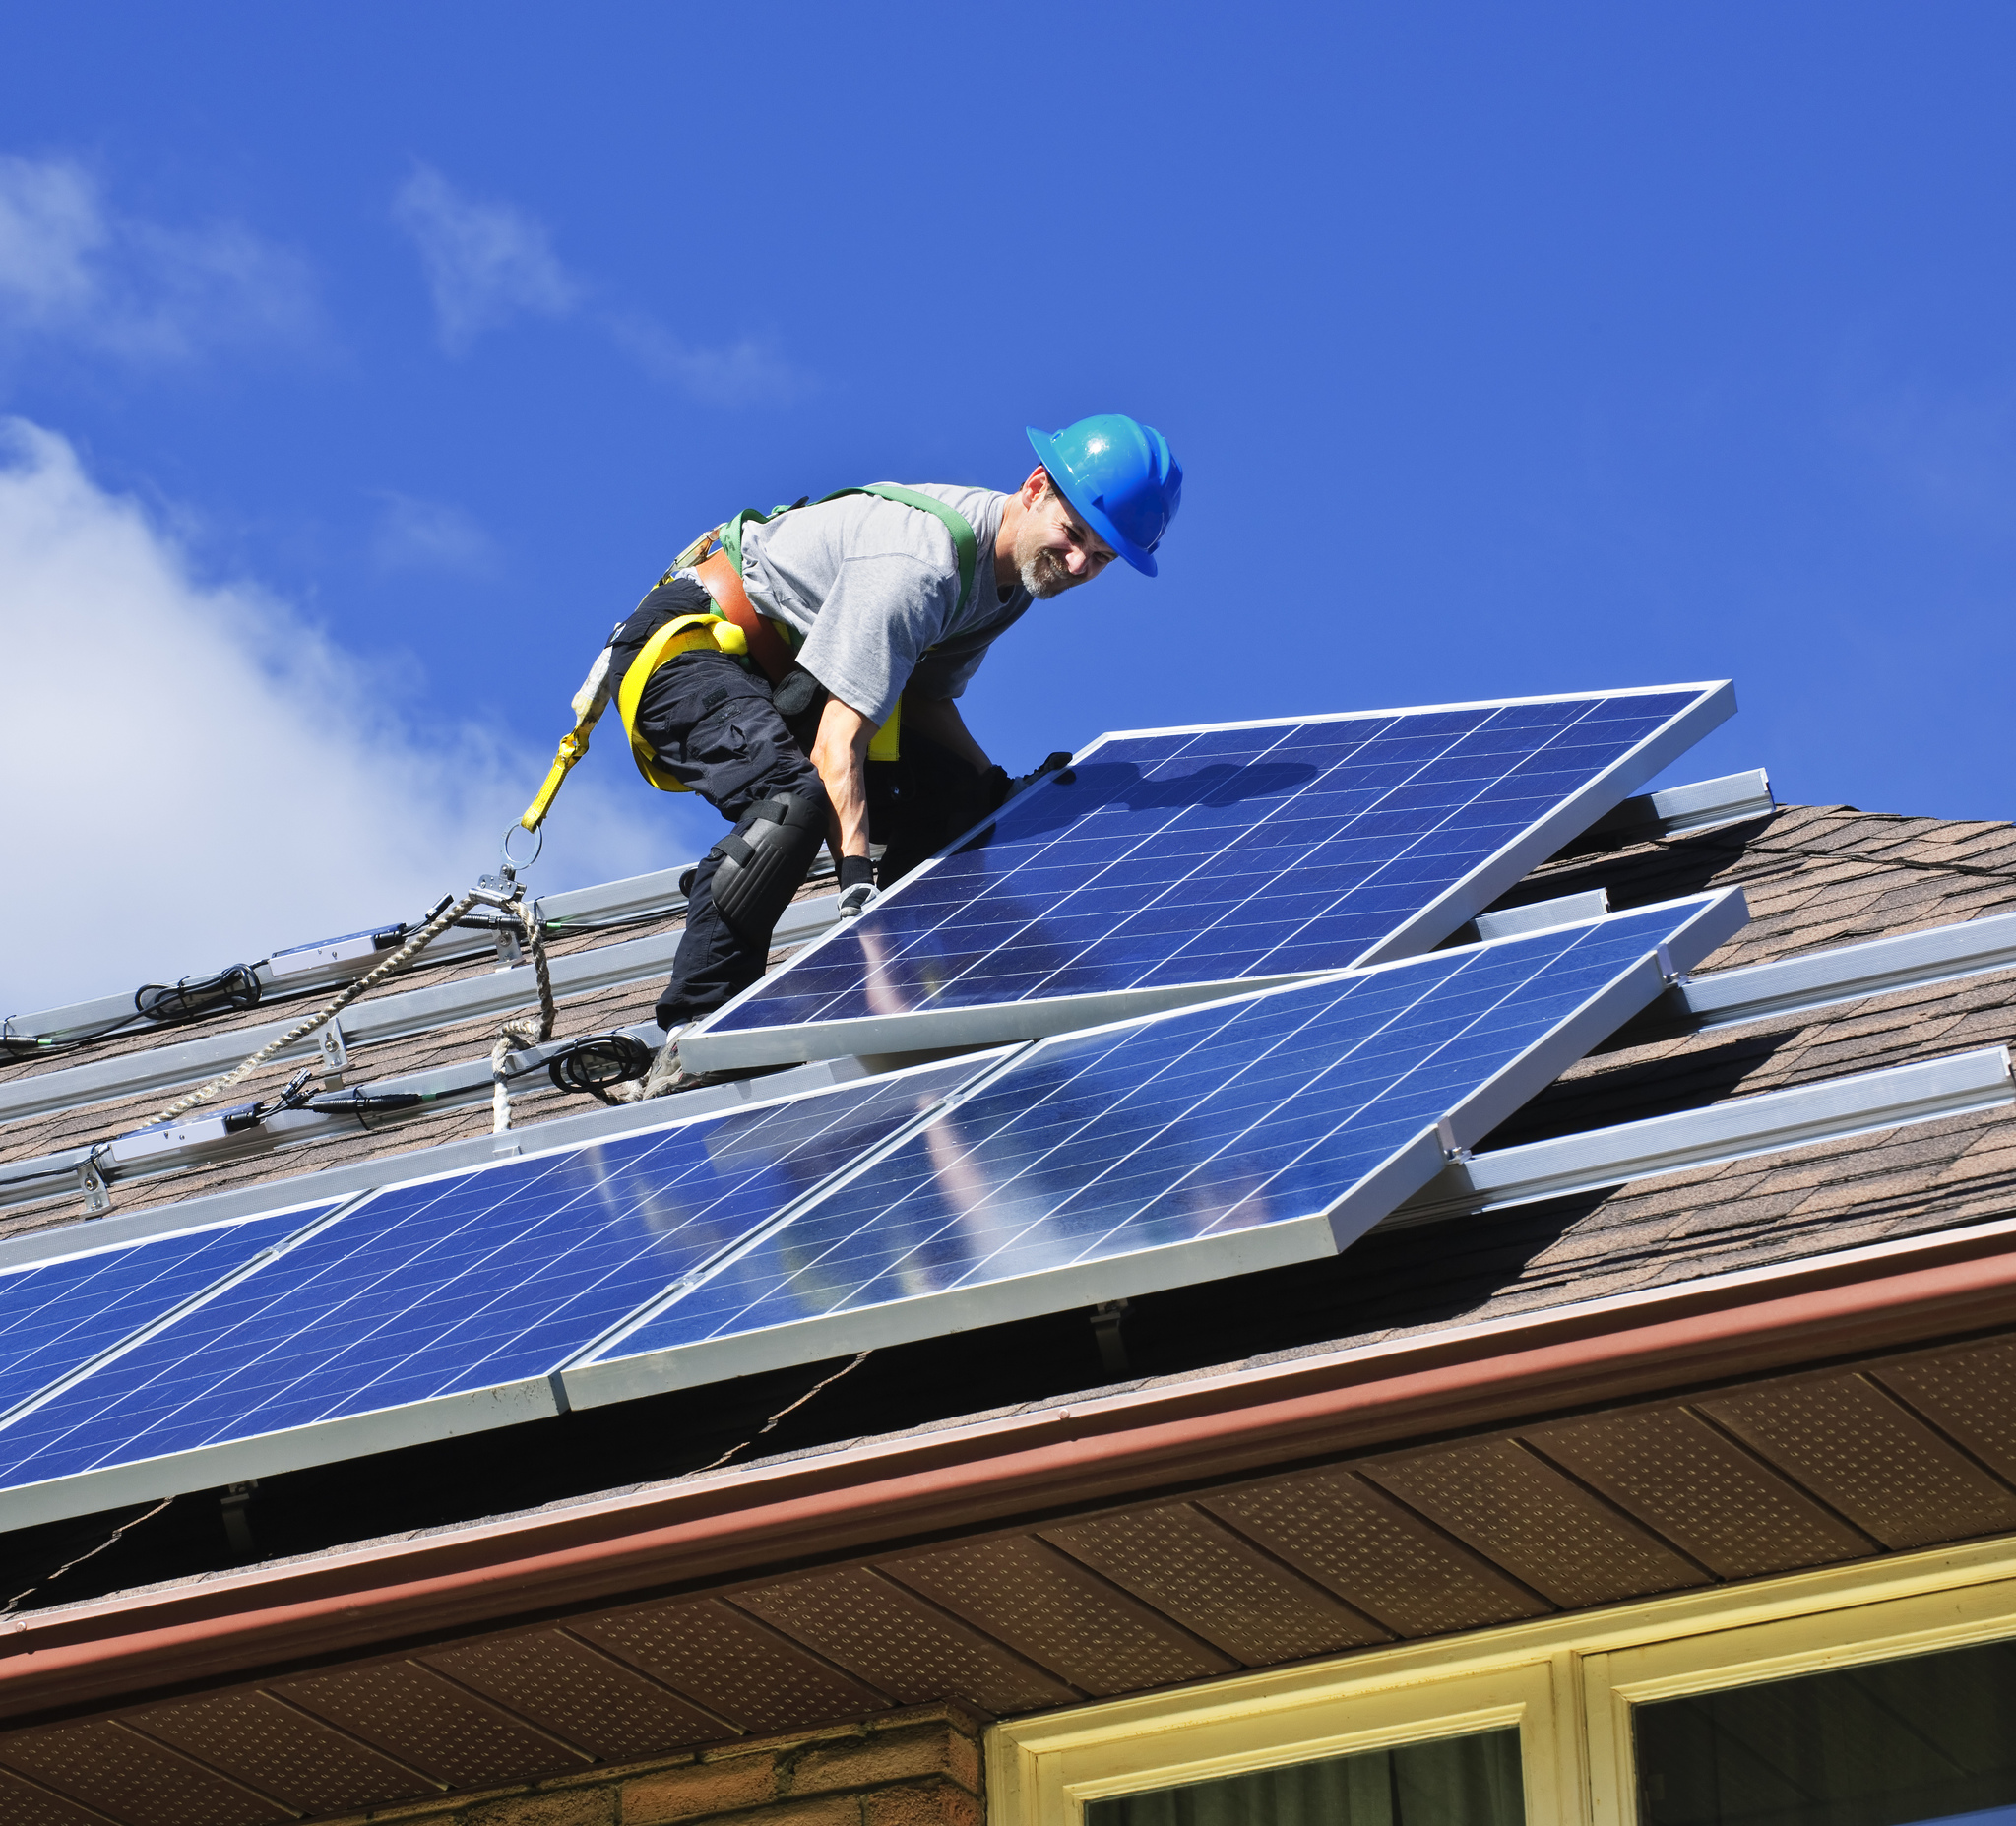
(1060, 758)
(856, 885)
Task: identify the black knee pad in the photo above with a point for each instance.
(763, 862)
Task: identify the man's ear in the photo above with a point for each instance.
(1036, 486)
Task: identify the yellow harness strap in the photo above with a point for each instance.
(589, 704)
(886, 745)
(573, 746)
(685, 634)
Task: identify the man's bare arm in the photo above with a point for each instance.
(840, 751)
(937, 720)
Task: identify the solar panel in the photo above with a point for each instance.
(1241, 1134)
(56, 1317)
(439, 1306)
(1167, 860)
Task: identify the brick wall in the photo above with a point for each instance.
(919, 1767)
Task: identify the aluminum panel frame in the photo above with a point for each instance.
(989, 1025)
(1847, 973)
(1769, 1123)
(268, 1455)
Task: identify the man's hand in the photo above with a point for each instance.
(1058, 761)
(857, 886)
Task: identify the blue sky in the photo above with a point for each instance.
(365, 363)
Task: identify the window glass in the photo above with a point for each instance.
(1933, 1738)
(1451, 1781)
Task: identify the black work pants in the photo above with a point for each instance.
(711, 724)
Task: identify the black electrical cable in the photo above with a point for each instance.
(21, 1049)
(43, 1173)
(361, 1102)
(195, 999)
(598, 1061)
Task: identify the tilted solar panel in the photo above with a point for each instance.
(1238, 1135)
(1167, 859)
(439, 1306)
(56, 1317)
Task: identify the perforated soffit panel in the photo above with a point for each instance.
(1166, 864)
(1271, 1128)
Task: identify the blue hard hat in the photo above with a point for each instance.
(1121, 479)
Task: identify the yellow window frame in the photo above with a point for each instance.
(1568, 1684)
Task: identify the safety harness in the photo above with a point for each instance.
(733, 628)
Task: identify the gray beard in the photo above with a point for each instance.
(1044, 575)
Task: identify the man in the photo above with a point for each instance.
(763, 666)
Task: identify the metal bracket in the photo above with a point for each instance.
(500, 889)
(336, 1054)
(238, 1531)
(98, 1191)
(1107, 1319)
(504, 891)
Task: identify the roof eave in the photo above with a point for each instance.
(714, 1531)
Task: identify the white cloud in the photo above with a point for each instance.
(430, 535)
(746, 372)
(489, 263)
(485, 263)
(195, 776)
(72, 267)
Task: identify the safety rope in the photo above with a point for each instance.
(413, 947)
(534, 932)
(521, 1032)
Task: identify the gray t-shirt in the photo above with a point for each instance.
(872, 587)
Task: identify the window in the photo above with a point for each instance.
(1466, 1780)
(1881, 1693)
(1895, 1742)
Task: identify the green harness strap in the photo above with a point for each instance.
(965, 542)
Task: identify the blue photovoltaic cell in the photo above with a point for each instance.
(471, 1280)
(1203, 856)
(1166, 1131)
(57, 1315)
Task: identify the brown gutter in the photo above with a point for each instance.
(852, 1503)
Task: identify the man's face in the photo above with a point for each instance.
(1054, 549)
